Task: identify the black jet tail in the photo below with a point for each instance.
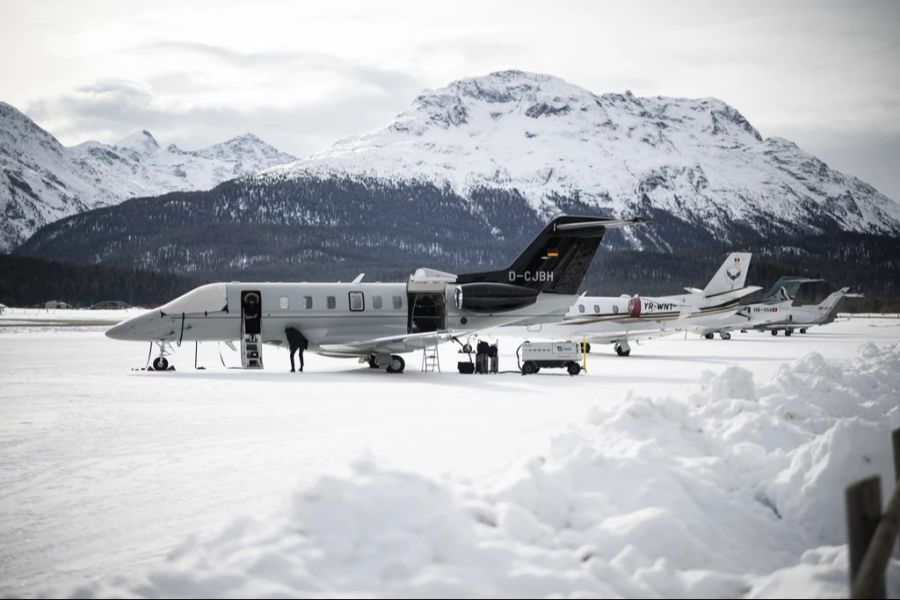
(558, 258)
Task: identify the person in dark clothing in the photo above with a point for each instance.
(297, 343)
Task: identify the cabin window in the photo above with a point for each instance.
(331, 302)
(597, 308)
(615, 309)
(357, 302)
(284, 303)
(307, 302)
(581, 308)
(398, 302)
(376, 301)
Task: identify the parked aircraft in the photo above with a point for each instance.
(770, 308)
(376, 322)
(809, 315)
(618, 320)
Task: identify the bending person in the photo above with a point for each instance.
(297, 343)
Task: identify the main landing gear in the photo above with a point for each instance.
(391, 364)
(622, 348)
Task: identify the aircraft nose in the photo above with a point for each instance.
(135, 328)
(117, 332)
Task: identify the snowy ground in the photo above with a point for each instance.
(669, 473)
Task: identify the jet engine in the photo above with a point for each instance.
(492, 297)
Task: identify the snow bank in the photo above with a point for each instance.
(735, 490)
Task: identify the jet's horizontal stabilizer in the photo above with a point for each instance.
(786, 288)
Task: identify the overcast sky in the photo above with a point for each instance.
(304, 74)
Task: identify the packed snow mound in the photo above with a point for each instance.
(733, 491)
(42, 181)
(699, 160)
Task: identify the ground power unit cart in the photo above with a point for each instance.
(533, 356)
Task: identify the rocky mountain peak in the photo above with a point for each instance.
(142, 141)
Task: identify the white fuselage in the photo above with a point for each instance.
(338, 319)
(611, 319)
(750, 316)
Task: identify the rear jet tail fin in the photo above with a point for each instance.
(830, 303)
(558, 258)
(730, 276)
(786, 288)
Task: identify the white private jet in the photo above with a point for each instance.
(376, 322)
(769, 308)
(619, 319)
(775, 311)
(800, 318)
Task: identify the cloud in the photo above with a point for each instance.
(108, 110)
(389, 81)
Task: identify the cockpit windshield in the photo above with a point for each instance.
(208, 298)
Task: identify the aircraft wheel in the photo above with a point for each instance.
(775, 332)
(803, 330)
(622, 352)
(396, 365)
(725, 335)
(788, 332)
(529, 368)
(373, 364)
(574, 368)
(709, 336)
(160, 363)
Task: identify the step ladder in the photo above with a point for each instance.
(431, 360)
(251, 351)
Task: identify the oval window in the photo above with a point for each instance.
(284, 303)
(581, 308)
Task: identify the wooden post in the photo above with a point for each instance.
(863, 502)
(895, 438)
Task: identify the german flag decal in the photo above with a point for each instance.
(552, 253)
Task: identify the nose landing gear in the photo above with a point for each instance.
(160, 363)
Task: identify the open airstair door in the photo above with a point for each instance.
(251, 329)
(426, 306)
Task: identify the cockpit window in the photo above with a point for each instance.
(208, 298)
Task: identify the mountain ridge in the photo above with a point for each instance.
(464, 178)
(546, 137)
(41, 180)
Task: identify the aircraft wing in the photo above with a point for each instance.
(393, 343)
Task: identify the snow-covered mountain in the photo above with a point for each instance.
(697, 160)
(42, 181)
